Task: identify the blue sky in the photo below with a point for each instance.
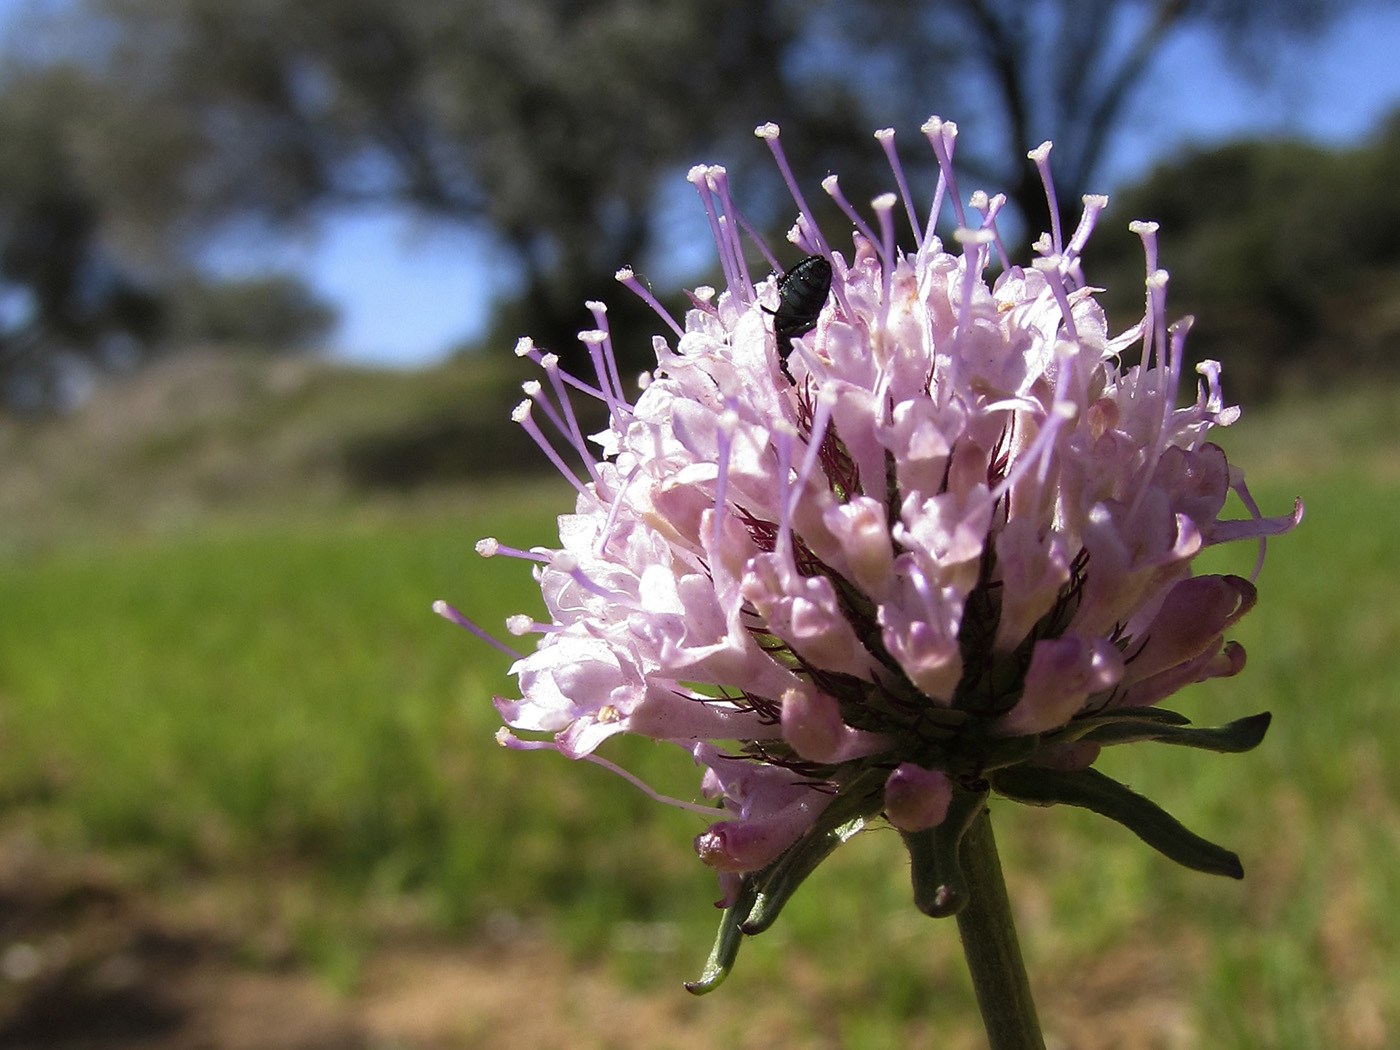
(408, 291)
(1334, 90)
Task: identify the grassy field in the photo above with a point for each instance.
(263, 699)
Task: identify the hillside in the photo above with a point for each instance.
(217, 431)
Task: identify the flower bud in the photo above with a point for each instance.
(916, 798)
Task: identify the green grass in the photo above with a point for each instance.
(272, 693)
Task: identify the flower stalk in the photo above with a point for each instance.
(993, 954)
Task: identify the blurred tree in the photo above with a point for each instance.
(556, 123)
(88, 283)
(1288, 255)
(65, 302)
(276, 313)
(552, 123)
(1065, 70)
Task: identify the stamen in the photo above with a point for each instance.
(1211, 399)
(556, 380)
(757, 238)
(719, 182)
(1147, 232)
(522, 416)
(628, 279)
(832, 185)
(450, 614)
(1041, 156)
(489, 547)
(1039, 452)
(769, 133)
(884, 205)
(594, 340)
(605, 533)
(567, 563)
(1094, 203)
(1178, 332)
(506, 738)
(885, 136)
(1168, 405)
(525, 347)
(1053, 267)
(942, 134)
(838, 286)
(521, 624)
(990, 207)
(1157, 308)
(702, 298)
(800, 236)
(971, 278)
(650, 792)
(535, 392)
(699, 177)
(600, 318)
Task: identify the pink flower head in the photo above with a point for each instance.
(921, 534)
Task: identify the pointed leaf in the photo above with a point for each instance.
(1093, 790)
(1148, 716)
(1243, 734)
(776, 884)
(856, 802)
(727, 941)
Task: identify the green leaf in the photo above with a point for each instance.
(726, 947)
(1243, 734)
(1149, 716)
(763, 893)
(776, 883)
(855, 803)
(935, 865)
(1093, 790)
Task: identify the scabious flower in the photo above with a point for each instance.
(934, 542)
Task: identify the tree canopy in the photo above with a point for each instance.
(1287, 255)
(555, 123)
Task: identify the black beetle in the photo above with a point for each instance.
(802, 293)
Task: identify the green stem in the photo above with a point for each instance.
(989, 942)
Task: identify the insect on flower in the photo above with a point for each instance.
(802, 293)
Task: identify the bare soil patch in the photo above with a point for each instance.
(89, 961)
